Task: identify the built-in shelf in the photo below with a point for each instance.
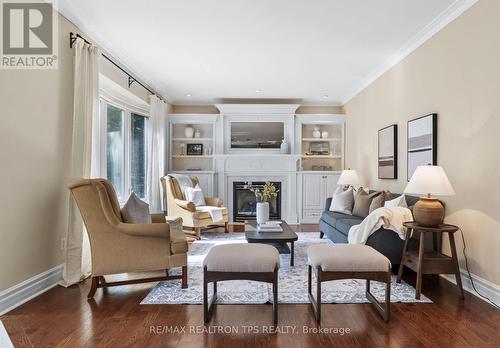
(192, 156)
(192, 139)
(321, 139)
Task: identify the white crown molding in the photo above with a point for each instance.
(485, 287)
(30, 288)
(245, 109)
(442, 20)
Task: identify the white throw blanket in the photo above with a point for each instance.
(215, 212)
(388, 218)
(184, 181)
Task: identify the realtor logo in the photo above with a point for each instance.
(29, 32)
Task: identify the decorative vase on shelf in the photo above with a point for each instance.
(182, 149)
(316, 133)
(262, 212)
(284, 147)
(197, 134)
(324, 134)
(189, 131)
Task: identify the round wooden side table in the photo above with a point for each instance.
(433, 262)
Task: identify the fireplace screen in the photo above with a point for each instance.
(244, 202)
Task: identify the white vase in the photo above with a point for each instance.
(189, 132)
(284, 147)
(197, 134)
(316, 133)
(324, 134)
(262, 212)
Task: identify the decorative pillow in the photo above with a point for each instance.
(396, 202)
(342, 201)
(195, 195)
(377, 202)
(362, 203)
(136, 211)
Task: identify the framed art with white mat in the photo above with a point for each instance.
(388, 152)
(421, 143)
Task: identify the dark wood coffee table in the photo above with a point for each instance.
(281, 238)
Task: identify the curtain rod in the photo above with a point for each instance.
(131, 79)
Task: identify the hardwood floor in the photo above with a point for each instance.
(65, 318)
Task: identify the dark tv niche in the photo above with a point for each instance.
(256, 135)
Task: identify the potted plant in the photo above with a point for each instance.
(263, 195)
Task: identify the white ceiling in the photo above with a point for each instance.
(292, 49)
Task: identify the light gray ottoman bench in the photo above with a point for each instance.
(348, 261)
(259, 262)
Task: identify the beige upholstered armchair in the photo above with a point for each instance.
(119, 247)
(176, 205)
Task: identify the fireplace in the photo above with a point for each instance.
(244, 202)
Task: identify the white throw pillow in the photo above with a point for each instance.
(396, 202)
(195, 195)
(136, 211)
(342, 201)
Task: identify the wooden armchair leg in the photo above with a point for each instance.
(93, 287)
(226, 229)
(184, 277)
(197, 232)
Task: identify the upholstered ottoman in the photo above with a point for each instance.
(348, 261)
(259, 262)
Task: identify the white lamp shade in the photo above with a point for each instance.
(430, 180)
(349, 177)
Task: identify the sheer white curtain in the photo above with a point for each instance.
(84, 155)
(157, 149)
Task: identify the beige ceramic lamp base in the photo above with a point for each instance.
(428, 212)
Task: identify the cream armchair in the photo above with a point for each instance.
(118, 247)
(192, 219)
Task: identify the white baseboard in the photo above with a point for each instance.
(30, 288)
(485, 287)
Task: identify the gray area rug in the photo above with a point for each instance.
(292, 280)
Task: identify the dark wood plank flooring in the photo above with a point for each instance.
(65, 318)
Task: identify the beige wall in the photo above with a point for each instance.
(35, 139)
(457, 75)
(35, 148)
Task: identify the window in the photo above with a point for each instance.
(124, 157)
(138, 159)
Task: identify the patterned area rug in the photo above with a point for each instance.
(292, 280)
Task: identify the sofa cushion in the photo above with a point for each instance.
(343, 225)
(331, 217)
(399, 201)
(195, 195)
(362, 203)
(342, 201)
(136, 211)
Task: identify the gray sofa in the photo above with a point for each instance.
(336, 227)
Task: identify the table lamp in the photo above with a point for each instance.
(348, 177)
(430, 181)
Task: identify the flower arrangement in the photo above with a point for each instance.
(263, 193)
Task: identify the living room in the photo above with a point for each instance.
(281, 173)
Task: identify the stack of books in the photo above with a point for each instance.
(270, 226)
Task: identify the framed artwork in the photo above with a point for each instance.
(388, 152)
(194, 149)
(421, 143)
